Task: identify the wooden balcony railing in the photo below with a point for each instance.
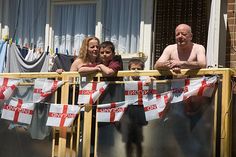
(66, 140)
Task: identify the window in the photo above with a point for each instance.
(121, 24)
(71, 23)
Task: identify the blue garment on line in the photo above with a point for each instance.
(3, 50)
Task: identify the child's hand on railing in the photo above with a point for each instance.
(149, 80)
(59, 71)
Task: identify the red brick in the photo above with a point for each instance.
(233, 56)
(231, 28)
(232, 52)
(232, 64)
(231, 20)
(231, 1)
(230, 6)
(233, 34)
(230, 13)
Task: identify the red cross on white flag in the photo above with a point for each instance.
(18, 111)
(155, 108)
(7, 86)
(90, 92)
(204, 87)
(179, 87)
(111, 112)
(62, 115)
(184, 88)
(137, 90)
(44, 87)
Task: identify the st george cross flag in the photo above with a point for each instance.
(184, 88)
(90, 92)
(179, 87)
(62, 115)
(137, 90)
(18, 111)
(155, 108)
(44, 87)
(111, 112)
(205, 88)
(7, 86)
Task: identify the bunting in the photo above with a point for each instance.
(202, 87)
(90, 92)
(156, 107)
(43, 88)
(7, 87)
(184, 88)
(18, 111)
(111, 112)
(138, 90)
(62, 115)
(136, 93)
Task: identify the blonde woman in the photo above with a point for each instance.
(88, 55)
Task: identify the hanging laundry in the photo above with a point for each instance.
(23, 51)
(16, 63)
(62, 61)
(3, 51)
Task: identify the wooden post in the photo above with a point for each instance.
(62, 134)
(226, 115)
(215, 131)
(87, 129)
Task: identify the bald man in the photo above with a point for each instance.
(185, 115)
(184, 54)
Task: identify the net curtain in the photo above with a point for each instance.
(26, 20)
(121, 24)
(71, 23)
(120, 20)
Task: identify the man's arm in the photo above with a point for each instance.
(163, 61)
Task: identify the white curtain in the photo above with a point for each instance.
(71, 24)
(121, 24)
(31, 18)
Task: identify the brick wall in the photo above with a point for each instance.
(231, 34)
(231, 60)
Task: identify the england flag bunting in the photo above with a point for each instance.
(204, 87)
(62, 115)
(7, 87)
(90, 92)
(111, 112)
(156, 107)
(44, 87)
(179, 87)
(137, 90)
(18, 111)
(184, 88)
